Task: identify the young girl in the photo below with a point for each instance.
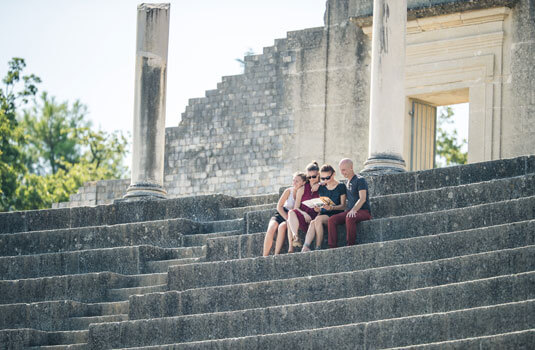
(337, 193)
(300, 217)
(278, 222)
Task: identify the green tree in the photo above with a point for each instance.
(54, 134)
(16, 91)
(448, 146)
(63, 151)
(50, 149)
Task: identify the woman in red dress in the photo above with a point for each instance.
(300, 218)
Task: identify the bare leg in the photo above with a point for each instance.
(319, 222)
(290, 239)
(293, 226)
(268, 239)
(281, 235)
(311, 234)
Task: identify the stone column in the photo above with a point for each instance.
(387, 103)
(149, 102)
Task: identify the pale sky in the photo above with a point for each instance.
(85, 49)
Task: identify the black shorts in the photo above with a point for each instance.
(278, 218)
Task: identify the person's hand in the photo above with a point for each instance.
(327, 207)
(317, 209)
(352, 213)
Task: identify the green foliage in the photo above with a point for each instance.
(54, 131)
(40, 191)
(448, 147)
(14, 93)
(51, 150)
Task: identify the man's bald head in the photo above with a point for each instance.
(347, 161)
(346, 168)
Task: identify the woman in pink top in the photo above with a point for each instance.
(300, 218)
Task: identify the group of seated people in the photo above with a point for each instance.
(337, 204)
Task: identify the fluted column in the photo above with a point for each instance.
(149, 102)
(387, 104)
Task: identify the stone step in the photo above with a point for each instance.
(81, 346)
(196, 208)
(259, 199)
(54, 315)
(124, 293)
(333, 285)
(239, 212)
(222, 225)
(446, 298)
(161, 266)
(81, 323)
(450, 176)
(395, 332)
(149, 279)
(380, 230)
(363, 256)
(453, 197)
(190, 252)
(106, 308)
(90, 288)
(201, 239)
(520, 340)
(87, 288)
(159, 233)
(67, 337)
(123, 260)
(32, 338)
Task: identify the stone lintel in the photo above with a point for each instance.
(434, 10)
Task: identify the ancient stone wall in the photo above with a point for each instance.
(231, 141)
(307, 98)
(518, 124)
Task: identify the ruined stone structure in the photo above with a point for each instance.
(307, 97)
(447, 262)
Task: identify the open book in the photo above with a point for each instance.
(318, 202)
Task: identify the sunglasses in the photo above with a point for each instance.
(312, 177)
(326, 178)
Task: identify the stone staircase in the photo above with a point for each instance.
(447, 262)
(59, 273)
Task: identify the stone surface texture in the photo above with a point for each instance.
(447, 262)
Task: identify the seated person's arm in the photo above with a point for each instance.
(360, 202)
(298, 197)
(341, 206)
(280, 204)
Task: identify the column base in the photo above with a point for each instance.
(145, 190)
(384, 163)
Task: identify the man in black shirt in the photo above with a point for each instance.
(358, 206)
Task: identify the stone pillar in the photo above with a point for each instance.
(387, 103)
(149, 102)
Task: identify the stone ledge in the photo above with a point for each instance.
(371, 255)
(434, 8)
(445, 298)
(198, 208)
(404, 331)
